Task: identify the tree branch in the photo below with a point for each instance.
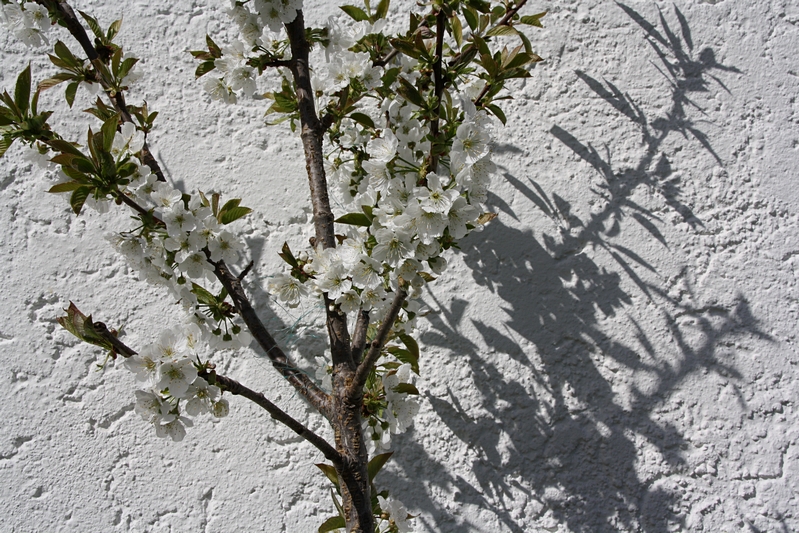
(311, 135)
(318, 398)
(296, 377)
(118, 100)
(234, 387)
(439, 87)
(356, 387)
(359, 335)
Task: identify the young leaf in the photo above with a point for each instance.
(79, 197)
(113, 30)
(354, 219)
(22, 91)
(410, 93)
(332, 524)
(287, 256)
(413, 348)
(382, 9)
(495, 109)
(229, 215)
(407, 388)
(502, 30)
(72, 89)
(485, 218)
(330, 472)
(65, 187)
(109, 130)
(363, 120)
(93, 25)
(356, 13)
(204, 68)
(216, 52)
(5, 144)
(533, 20)
(376, 463)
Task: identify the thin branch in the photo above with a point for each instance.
(75, 27)
(439, 87)
(355, 389)
(234, 387)
(359, 335)
(246, 271)
(296, 377)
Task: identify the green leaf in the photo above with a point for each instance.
(457, 29)
(229, 215)
(363, 120)
(230, 204)
(382, 9)
(406, 48)
(333, 523)
(65, 187)
(5, 144)
(498, 113)
(65, 147)
(407, 388)
(203, 296)
(72, 89)
(533, 20)
(93, 25)
(330, 472)
(376, 463)
(108, 131)
(410, 93)
(204, 68)
(355, 12)
(471, 17)
(125, 67)
(55, 80)
(413, 348)
(502, 30)
(22, 91)
(354, 219)
(67, 57)
(216, 52)
(79, 197)
(113, 29)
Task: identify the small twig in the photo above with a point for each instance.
(245, 271)
(234, 387)
(359, 336)
(439, 87)
(355, 389)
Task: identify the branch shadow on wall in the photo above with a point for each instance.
(553, 439)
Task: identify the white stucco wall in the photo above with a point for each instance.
(615, 352)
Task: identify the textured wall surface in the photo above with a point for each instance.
(615, 352)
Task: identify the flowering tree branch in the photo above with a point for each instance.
(412, 170)
(67, 16)
(226, 384)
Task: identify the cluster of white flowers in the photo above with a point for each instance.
(178, 254)
(397, 512)
(398, 414)
(168, 368)
(27, 21)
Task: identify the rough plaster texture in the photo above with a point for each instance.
(615, 352)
